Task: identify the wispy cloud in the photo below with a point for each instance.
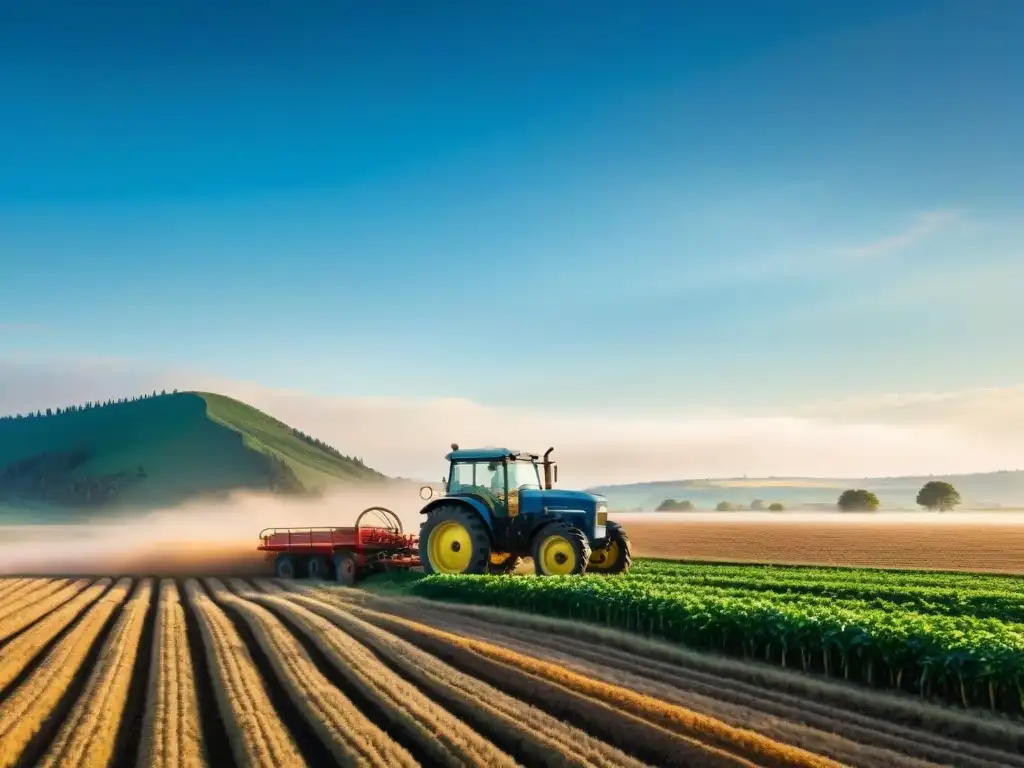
(925, 225)
(902, 434)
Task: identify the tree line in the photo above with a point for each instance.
(326, 448)
(86, 406)
(935, 495)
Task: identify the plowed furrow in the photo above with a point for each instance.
(532, 736)
(38, 602)
(703, 731)
(18, 654)
(27, 591)
(89, 735)
(9, 588)
(258, 737)
(846, 736)
(34, 710)
(170, 732)
(904, 717)
(441, 738)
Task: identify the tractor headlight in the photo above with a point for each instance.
(602, 513)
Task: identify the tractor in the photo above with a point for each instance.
(495, 510)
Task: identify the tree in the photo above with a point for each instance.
(857, 501)
(776, 507)
(671, 505)
(724, 506)
(938, 495)
(757, 504)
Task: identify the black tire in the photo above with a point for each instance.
(284, 567)
(317, 568)
(622, 557)
(577, 541)
(345, 568)
(509, 566)
(479, 538)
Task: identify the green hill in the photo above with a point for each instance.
(159, 450)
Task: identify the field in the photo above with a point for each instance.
(238, 672)
(910, 541)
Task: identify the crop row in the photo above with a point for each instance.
(959, 658)
(1002, 605)
(88, 736)
(24, 713)
(832, 575)
(536, 737)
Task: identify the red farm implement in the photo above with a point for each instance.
(345, 554)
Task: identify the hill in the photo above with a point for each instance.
(987, 490)
(159, 450)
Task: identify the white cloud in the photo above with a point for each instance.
(924, 225)
(916, 433)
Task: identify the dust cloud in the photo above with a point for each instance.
(209, 537)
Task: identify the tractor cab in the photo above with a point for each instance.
(500, 505)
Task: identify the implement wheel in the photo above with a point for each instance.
(559, 549)
(502, 562)
(284, 566)
(345, 567)
(615, 556)
(454, 540)
(316, 568)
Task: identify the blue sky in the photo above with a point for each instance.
(651, 204)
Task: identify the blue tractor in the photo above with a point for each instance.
(496, 510)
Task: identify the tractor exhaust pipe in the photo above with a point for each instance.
(548, 464)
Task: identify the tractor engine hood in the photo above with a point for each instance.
(558, 499)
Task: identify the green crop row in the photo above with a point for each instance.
(972, 661)
(951, 601)
(821, 574)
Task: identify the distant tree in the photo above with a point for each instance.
(757, 504)
(725, 506)
(857, 501)
(776, 507)
(938, 495)
(671, 505)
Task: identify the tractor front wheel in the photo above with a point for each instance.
(615, 556)
(559, 549)
(454, 540)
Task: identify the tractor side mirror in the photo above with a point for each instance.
(426, 492)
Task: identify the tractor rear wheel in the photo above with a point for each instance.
(501, 562)
(559, 549)
(284, 566)
(454, 540)
(345, 567)
(615, 556)
(316, 568)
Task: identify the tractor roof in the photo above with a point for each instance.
(487, 454)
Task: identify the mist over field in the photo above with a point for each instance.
(212, 536)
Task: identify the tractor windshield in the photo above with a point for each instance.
(523, 474)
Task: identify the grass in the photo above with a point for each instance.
(188, 444)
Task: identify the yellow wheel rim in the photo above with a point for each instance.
(557, 556)
(450, 547)
(602, 559)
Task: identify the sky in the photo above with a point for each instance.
(627, 219)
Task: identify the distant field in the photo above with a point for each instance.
(989, 546)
